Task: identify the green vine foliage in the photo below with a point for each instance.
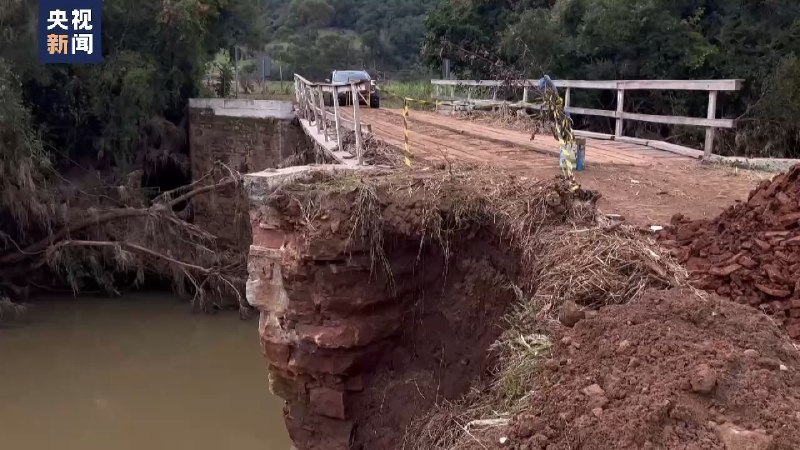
(25, 168)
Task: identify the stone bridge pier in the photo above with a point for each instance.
(312, 326)
(289, 279)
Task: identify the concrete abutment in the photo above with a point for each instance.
(247, 136)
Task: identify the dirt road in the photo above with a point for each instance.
(647, 186)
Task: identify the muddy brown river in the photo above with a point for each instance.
(137, 373)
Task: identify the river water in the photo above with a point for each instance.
(135, 373)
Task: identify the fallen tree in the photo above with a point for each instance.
(101, 247)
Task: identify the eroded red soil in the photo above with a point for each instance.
(751, 252)
(671, 371)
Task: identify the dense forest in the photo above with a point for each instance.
(756, 40)
(314, 36)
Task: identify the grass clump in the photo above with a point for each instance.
(601, 265)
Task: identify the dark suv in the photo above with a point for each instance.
(369, 92)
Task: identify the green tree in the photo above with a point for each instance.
(309, 14)
(382, 34)
(471, 25)
(155, 54)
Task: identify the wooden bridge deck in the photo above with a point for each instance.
(433, 135)
(645, 185)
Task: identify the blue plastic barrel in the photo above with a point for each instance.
(580, 155)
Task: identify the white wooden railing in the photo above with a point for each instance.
(454, 90)
(329, 120)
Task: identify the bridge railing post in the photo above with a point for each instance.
(312, 102)
(323, 125)
(304, 101)
(357, 123)
(710, 131)
(336, 118)
(297, 95)
(620, 111)
(309, 102)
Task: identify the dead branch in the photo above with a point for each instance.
(115, 214)
(167, 196)
(38, 247)
(132, 247)
(225, 182)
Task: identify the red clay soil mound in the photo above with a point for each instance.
(751, 252)
(672, 370)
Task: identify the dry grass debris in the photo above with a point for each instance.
(601, 265)
(505, 117)
(375, 151)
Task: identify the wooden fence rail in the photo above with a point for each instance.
(330, 119)
(711, 123)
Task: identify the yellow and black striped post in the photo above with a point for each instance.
(563, 131)
(406, 146)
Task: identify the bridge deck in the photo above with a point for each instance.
(432, 134)
(645, 185)
(330, 147)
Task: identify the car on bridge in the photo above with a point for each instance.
(368, 91)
